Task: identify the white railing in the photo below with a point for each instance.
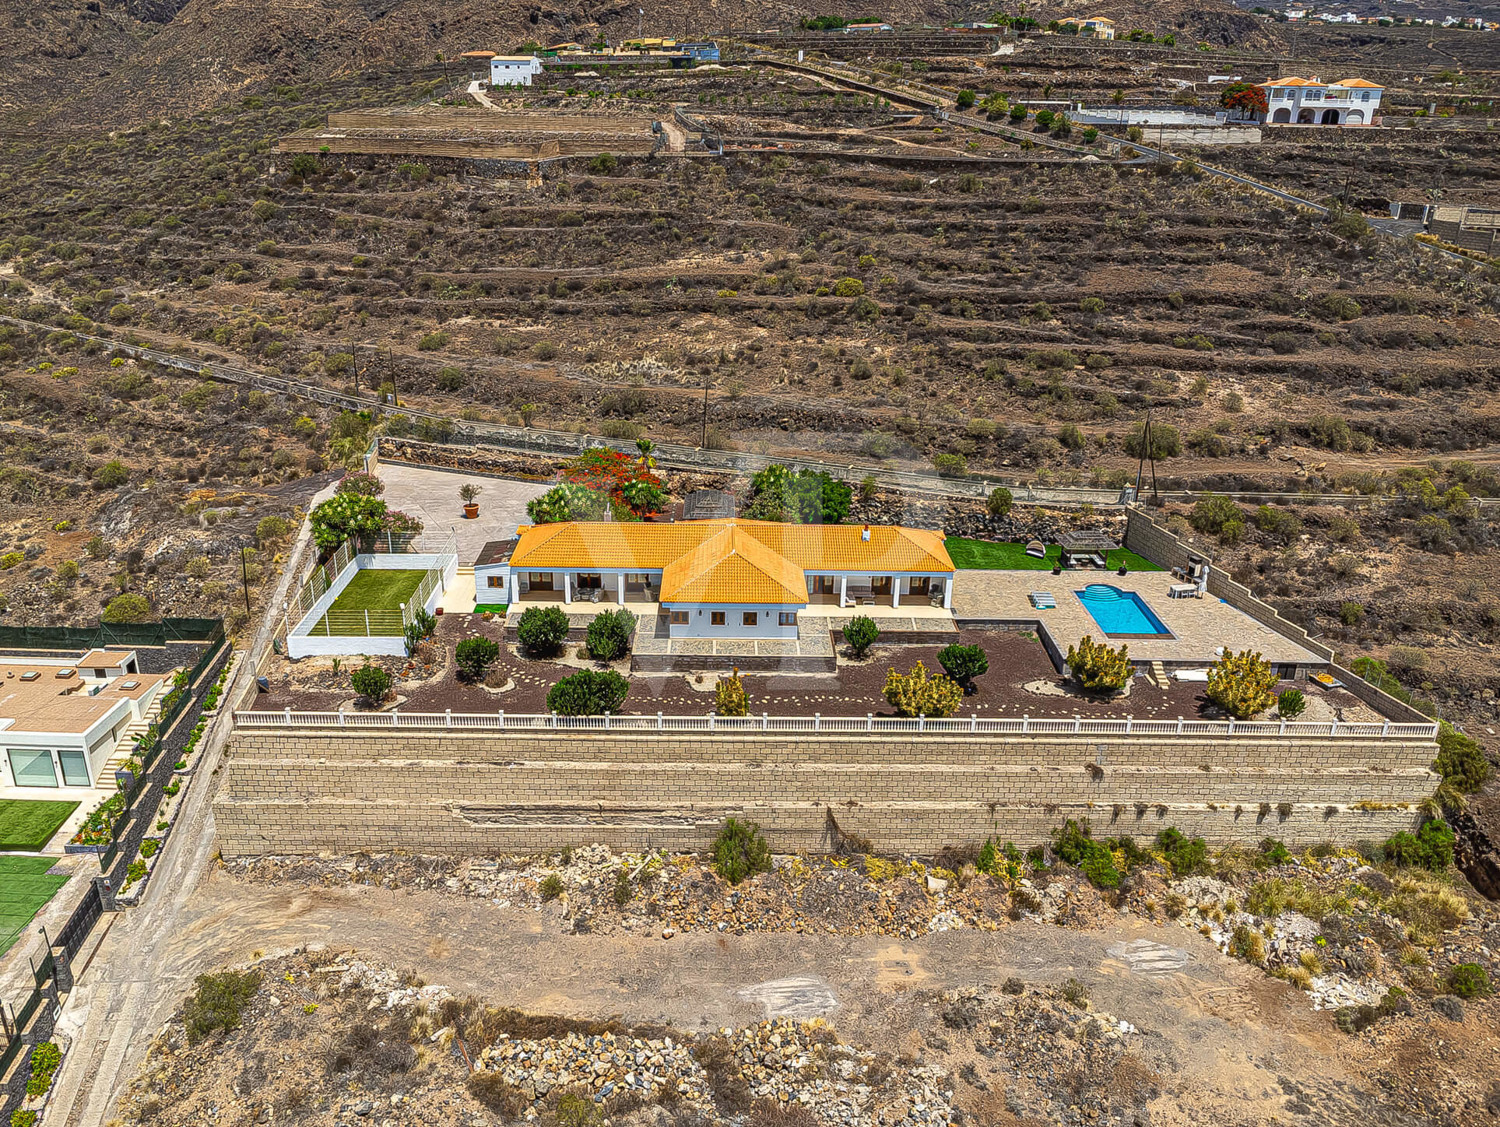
(1018, 726)
(318, 583)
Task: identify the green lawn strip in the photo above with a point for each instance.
(371, 589)
(28, 824)
(988, 555)
(25, 889)
(490, 608)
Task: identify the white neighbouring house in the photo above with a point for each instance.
(1308, 101)
(727, 578)
(61, 721)
(514, 70)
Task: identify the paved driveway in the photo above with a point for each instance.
(432, 497)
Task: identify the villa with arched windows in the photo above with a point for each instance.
(1309, 101)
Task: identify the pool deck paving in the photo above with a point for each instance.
(1199, 627)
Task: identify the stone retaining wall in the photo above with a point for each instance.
(312, 791)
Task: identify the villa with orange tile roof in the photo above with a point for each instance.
(730, 578)
(1098, 27)
(1309, 101)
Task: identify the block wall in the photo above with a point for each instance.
(312, 791)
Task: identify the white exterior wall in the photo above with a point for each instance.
(700, 620)
(300, 644)
(98, 744)
(1355, 106)
(514, 72)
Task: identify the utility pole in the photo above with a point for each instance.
(245, 579)
(703, 441)
(640, 23)
(390, 363)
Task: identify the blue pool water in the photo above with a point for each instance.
(1122, 613)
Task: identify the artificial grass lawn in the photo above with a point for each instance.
(985, 554)
(28, 824)
(491, 608)
(25, 889)
(374, 590)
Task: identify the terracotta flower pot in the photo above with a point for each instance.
(471, 511)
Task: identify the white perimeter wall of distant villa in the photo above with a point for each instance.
(300, 644)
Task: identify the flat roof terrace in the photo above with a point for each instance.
(1198, 628)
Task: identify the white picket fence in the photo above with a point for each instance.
(972, 725)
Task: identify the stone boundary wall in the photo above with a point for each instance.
(1149, 539)
(302, 791)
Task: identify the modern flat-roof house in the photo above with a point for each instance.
(61, 721)
(718, 578)
(1096, 27)
(1309, 101)
(514, 70)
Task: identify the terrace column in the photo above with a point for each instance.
(620, 587)
(567, 587)
(515, 588)
(843, 590)
(948, 592)
(895, 591)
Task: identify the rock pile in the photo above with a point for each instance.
(600, 1066)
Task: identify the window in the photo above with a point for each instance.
(787, 618)
(75, 768)
(716, 618)
(1364, 95)
(750, 618)
(497, 580)
(919, 585)
(32, 767)
(678, 618)
(540, 581)
(880, 585)
(590, 582)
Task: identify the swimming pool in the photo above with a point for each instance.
(1120, 614)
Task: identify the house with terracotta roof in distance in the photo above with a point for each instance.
(1310, 101)
(1096, 27)
(727, 578)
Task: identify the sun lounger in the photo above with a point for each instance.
(1043, 600)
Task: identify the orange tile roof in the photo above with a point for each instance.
(1360, 83)
(692, 545)
(732, 566)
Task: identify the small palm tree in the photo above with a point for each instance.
(646, 461)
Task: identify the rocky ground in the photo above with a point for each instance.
(1340, 929)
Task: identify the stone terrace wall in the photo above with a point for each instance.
(314, 791)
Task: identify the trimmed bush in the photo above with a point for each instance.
(919, 693)
(542, 630)
(1098, 667)
(371, 682)
(730, 698)
(610, 635)
(1242, 684)
(740, 851)
(861, 634)
(474, 656)
(963, 664)
(588, 693)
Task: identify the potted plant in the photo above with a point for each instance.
(469, 491)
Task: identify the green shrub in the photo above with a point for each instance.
(1273, 852)
(1431, 847)
(1460, 759)
(740, 850)
(1166, 442)
(730, 698)
(550, 888)
(999, 502)
(22, 1117)
(128, 607)
(432, 342)
(964, 663)
(45, 1058)
(919, 693)
(588, 693)
(1187, 855)
(861, 633)
(1075, 845)
(542, 630)
(1469, 980)
(474, 655)
(371, 682)
(1290, 704)
(217, 1002)
(610, 634)
(1213, 512)
(1097, 667)
(950, 465)
(110, 475)
(1242, 684)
